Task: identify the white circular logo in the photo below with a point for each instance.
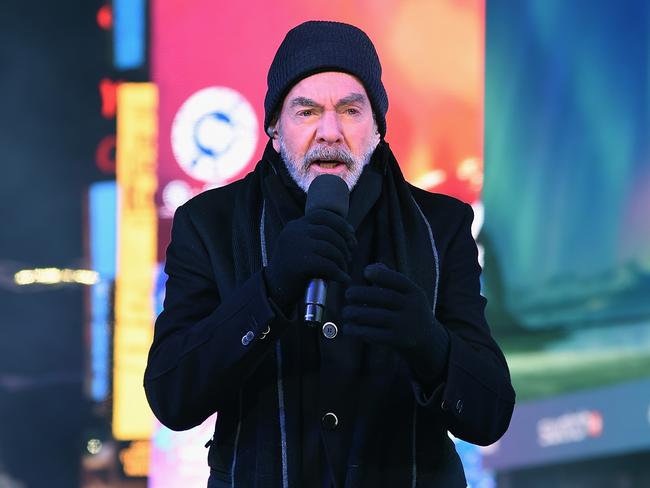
(214, 134)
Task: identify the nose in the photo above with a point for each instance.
(329, 128)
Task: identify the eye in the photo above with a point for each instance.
(306, 113)
(352, 111)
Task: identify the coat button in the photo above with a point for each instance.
(444, 405)
(330, 421)
(330, 330)
(247, 338)
(459, 406)
(266, 332)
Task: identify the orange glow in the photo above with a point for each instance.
(135, 458)
(433, 57)
(444, 34)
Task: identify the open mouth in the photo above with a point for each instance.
(328, 164)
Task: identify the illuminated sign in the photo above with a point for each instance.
(205, 54)
(129, 28)
(214, 134)
(102, 207)
(575, 426)
(136, 251)
(569, 427)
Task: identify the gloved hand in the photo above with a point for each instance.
(318, 245)
(394, 311)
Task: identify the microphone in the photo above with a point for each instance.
(331, 193)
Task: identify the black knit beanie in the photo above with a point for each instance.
(317, 46)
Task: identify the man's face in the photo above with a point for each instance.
(326, 125)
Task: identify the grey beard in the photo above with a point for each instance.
(299, 170)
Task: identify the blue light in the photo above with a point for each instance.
(103, 221)
(102, 204)
(129, 33)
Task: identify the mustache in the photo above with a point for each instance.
(328, 153)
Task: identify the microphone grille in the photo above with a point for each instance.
(328, 192)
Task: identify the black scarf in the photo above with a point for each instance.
(270, 187)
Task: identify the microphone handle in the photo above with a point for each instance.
(315, 297)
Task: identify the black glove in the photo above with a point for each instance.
(394, 311)
(318, 245)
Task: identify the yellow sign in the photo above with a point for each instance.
(137, 131)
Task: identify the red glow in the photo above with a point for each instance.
(595, 425)
(105, 17)
(105, 154)
(108, 92)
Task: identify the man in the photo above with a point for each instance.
(405, 354)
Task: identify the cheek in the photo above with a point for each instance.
(297, 142)
(363, 138)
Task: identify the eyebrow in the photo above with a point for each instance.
(352, 98)
(303, 102)
(347, 100)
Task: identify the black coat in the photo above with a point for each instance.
(203, 361)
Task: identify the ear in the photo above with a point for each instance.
(272, 132)
(376, 136)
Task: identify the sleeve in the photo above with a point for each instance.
(204, 347)
(475, 396)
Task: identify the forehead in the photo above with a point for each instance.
(326, 86)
